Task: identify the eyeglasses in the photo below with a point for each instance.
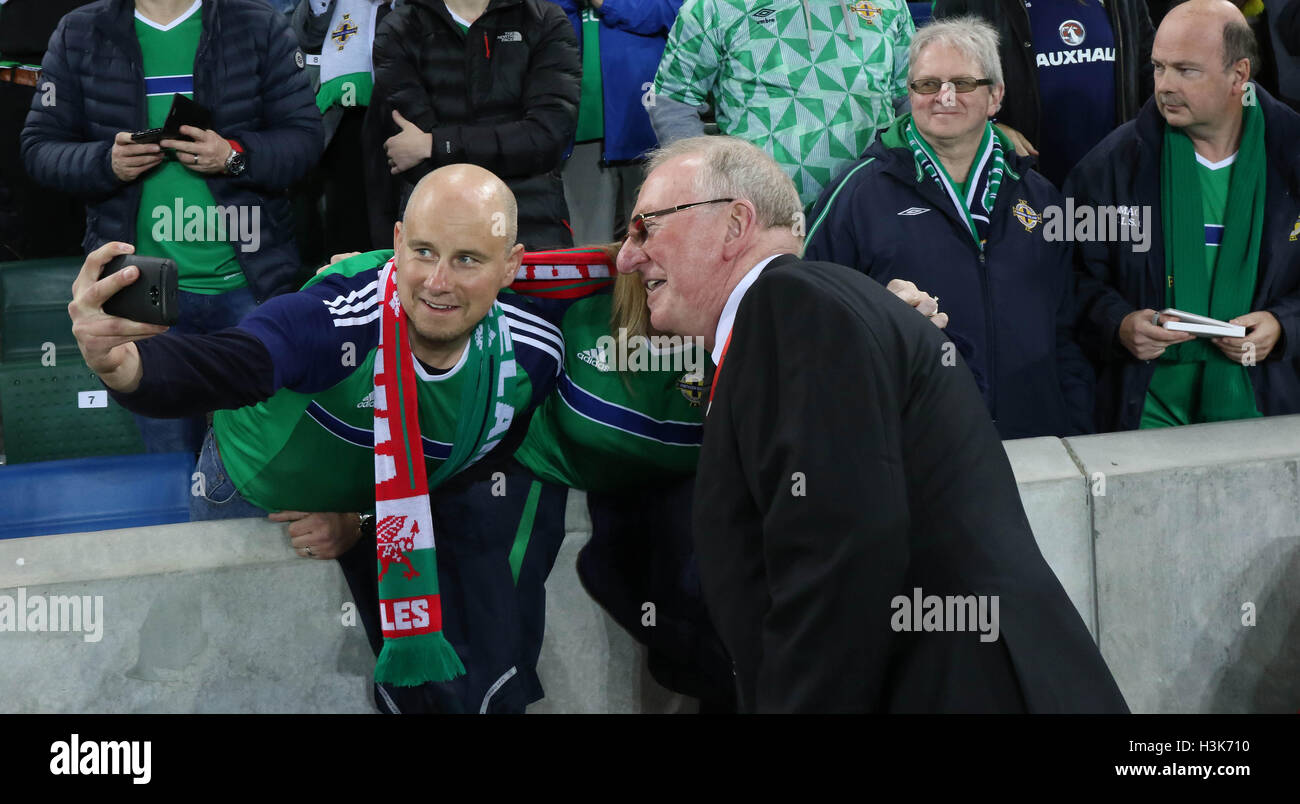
(929, 86)
(636, 231)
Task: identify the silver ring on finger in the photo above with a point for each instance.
(310, 552)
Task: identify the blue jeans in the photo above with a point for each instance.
(200, 314)
(219, 498)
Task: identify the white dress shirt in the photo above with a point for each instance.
(728, 317)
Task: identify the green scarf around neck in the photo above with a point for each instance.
(1226, 389)
(973, 200)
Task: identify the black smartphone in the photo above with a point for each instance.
(185, 112)
(148, 137)
(153, 298)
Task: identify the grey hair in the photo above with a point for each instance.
(969, 34)
(733, 168)
(1239, 43)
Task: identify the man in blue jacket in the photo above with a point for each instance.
(622, 42)
(1214, 156)
(212, 199)
(941, 199)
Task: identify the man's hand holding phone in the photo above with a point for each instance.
(107, 342)
(130, 158)
(204, 152)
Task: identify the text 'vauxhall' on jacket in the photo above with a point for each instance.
(1011, 307)
(248, 72)
(1022, 108)
(1115, 279)
(503, 96)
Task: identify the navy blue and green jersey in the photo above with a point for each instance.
(620, 415)
(309, 446)
(174, 200)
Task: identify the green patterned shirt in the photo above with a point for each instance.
(813, 99)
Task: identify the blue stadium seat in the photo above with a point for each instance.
(86, 494)
(920, 12)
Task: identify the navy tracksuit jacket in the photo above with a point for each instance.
(1011, 308)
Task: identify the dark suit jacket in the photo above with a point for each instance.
(848, 458)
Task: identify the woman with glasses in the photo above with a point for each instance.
(1075, 70)
(941, 199)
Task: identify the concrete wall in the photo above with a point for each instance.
(1170, 543)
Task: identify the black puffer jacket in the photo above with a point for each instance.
(247, 71)
(1022, 107)
(504, 97)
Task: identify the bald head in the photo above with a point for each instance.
(1202, 59)
(1238, 41)
(467, 188)
(453, 252)
(1222, 10)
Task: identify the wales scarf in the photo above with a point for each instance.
(975, 206)
(415, 649)
(1226, 390)
(566, 273)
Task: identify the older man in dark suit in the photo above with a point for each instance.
(860, 537)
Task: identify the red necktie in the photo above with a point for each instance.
(714, 385)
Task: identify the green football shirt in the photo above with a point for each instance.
(178, 216)
(1174, 396)
(812, 96)
(310, 446)
(591, 106)
(620, 415)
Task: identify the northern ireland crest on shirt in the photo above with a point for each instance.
(1027, 215)
(345, 30)
(692, 387)
(868, 11)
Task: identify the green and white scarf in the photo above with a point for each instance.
(976, 206)
(346, 72)
(415, 649)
